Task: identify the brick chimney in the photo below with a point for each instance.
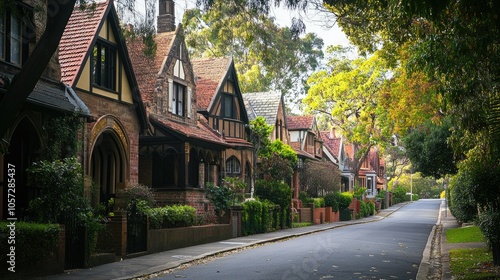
(166, 16)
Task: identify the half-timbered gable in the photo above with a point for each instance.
(95, 63)
(182, 154)
(221, 103)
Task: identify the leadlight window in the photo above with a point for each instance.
(104, 70)
(233, 166)
(179, 99)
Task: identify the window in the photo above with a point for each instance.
(228, 106)
(233, 166)
(104, 72)
(179, 98)
(13, 48)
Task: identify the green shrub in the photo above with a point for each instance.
(172, 216)
(345, 200)
(332, 200)
(461, 200)
(141, 195)
(319, 202)
(34, 242)
(305, 198)
(278, 193)
(399, 195)
(251, 218)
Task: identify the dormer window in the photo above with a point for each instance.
(179, 99)
(104, 70)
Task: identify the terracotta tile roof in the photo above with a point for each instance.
(349, 151)
(300, 153)
(209, 73)
(198, 132)
(146, 68)
(333, 143)
(77, 38)
(265, 104)
(299, 122)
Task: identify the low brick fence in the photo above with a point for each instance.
(172, 238)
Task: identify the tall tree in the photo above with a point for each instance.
(267, 57)
(348, 92)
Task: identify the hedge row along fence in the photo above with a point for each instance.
(260, 217)
(33, 242)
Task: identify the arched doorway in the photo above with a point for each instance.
(108, 165)
(24, 149)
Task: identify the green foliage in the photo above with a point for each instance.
(305, 198)
(461, 200)
(489, 222)
(277, 161)
(278, 193)
(251, 218)
(260, 217)
(345, 200)
(358, 192)
(34, 242)
(223, 197)
(172, 216)
(333, 200)
(319, 202)
(428, 149)
(139, 195)
(399, 195)
(61, 137)
(266, 56)
(348, 93)
(61, 187)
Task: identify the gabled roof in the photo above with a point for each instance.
(78, 37)
(200, 133)
(210, 74)
(333, 143)
(265, 104)
(80, 34)
(300, 122)
(147, 68)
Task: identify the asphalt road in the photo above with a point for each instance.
(388, 249)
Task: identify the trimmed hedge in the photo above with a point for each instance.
(33, 242)
(260, 217)
(172, 216)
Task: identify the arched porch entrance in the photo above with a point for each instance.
(109, 163)
(24, 149)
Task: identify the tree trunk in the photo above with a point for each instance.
(495, 249)
(23, 83)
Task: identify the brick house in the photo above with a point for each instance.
(25, 140)
(335, 146)
(221, 104)
(305, 140)
(182, 154)
(95, 63)
(371, 175)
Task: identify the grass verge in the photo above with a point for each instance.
(464, 234)
(297, 225)
(473, 264)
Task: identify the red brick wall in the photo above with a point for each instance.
(126, 116)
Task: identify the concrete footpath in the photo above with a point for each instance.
(153, 263)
